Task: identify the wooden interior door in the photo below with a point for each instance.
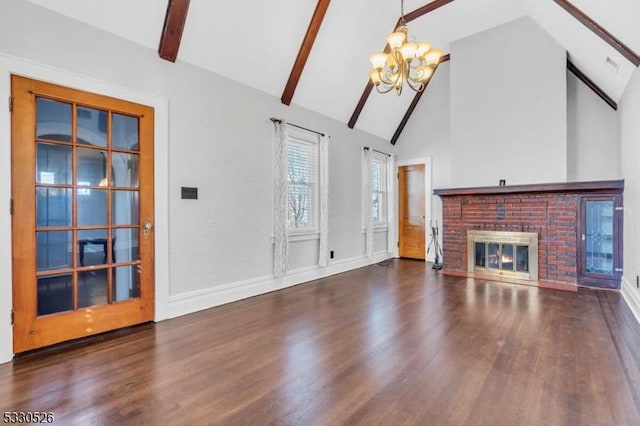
(82, 189)
(411, 229)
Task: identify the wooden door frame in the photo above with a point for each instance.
(11, 65)
(428, 202)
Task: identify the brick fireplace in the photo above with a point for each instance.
(550, 211)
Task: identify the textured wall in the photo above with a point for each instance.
(508, 107)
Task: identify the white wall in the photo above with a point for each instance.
(220, 141)
(593, 143)
(508, 107)
(629, 114)
(427, 135)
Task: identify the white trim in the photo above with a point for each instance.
(304, 236)
(186, 303)
(14, 65)
(428, 191)
(300, 236)
(632, 297)
(377, 229)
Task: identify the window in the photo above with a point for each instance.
(302, 181)
(379, 189)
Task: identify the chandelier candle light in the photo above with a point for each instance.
(407, 61)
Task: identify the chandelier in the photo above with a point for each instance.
(406, 61)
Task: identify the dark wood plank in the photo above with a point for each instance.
(598, 30)
(414, 103)
(593, 86)
(174, 22)
(592, 186)
(361, 102)
(305, 50)
(421, 11)
(395, 344)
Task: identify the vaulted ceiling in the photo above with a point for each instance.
(258, 42)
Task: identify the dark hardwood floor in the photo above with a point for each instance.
(391, 345)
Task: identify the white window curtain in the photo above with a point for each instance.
(323, 255)
(367, 205)
(281, 231)
(391, 218)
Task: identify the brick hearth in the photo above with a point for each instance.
(550, 210)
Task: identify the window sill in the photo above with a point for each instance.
(300, 236)
(377, 228)
(304, 235)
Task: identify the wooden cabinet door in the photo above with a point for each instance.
(600, 241)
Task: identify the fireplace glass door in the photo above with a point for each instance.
(502, 256)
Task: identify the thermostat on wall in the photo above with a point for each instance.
(189, 193)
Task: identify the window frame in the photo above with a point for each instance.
(312, 140)
(383, 160)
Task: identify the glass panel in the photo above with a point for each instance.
(92, 288)
(481, 250)
(599, 237)
(53, 250)
(92, 207)
(92, 126)
(493, 255)
(53, 207)
(53, 120)
(377, 208)
(92, 167)
(55, 294)
(124, 169)
(375, 176)
(124, 132)
(507, 257)
(53, 164)
(522, 258)
(299, 210)
(125, 243)
(92, 247)
(124, 208)
(126, 283)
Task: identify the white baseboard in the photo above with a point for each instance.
(632, 297)
(194, 301)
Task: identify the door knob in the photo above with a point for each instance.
(146, 228)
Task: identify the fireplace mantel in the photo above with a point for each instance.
(582, 187)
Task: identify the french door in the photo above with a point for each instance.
(82, 228)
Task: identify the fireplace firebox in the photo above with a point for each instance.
(506, 254)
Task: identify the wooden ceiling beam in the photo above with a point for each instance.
(423, 10)
(598, 30)
(174, 22)
(305, 50)
(593, 86)
(414, 103)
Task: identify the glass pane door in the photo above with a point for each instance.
(600, 250)
(87, 206)
(599, 237)
(82, 186)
